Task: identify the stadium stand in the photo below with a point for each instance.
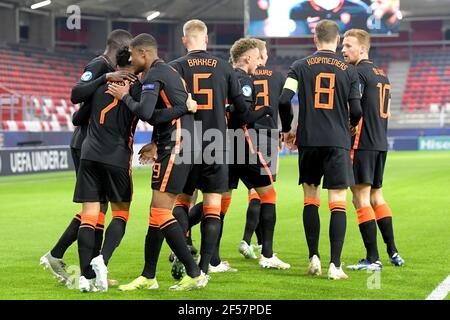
(39, 85)
(428, 82)
(35, 84)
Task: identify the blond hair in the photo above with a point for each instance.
(194, 26)
(327, 31)
(240, 47)
(261, 44)
(362, 36)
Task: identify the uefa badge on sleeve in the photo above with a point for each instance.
(247, 90)
(87, 76)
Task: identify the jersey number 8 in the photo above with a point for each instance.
(321, 90)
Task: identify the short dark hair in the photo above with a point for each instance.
(327, 31)
(123, 57)
(119, 38)
(144, 40)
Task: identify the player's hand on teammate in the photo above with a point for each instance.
(121, 75)
(269, 110)
(118, 91)
(290, 139)
(148, 153)
(229, 108)
(191, 104)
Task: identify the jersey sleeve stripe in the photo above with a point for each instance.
(172, 156)
(358, 134)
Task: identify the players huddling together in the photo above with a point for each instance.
(216, 123)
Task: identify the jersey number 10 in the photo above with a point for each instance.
(385, 92)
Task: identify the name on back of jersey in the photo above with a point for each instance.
(202, 62)
(325, 60)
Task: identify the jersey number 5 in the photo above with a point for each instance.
(385, 104)
(321, 90)
(208, 92)
(264, 94)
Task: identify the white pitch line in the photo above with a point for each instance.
(441, 290)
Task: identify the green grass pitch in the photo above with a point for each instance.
(36, 209)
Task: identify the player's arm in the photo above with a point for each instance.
(81, 116)
(242, 103)
(286, 115)
(94, 76)
(255, 115)
(284, 103)
(159, 116)
(354, 99)
(145, 108)
(243, 112)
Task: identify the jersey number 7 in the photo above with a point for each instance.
(107, 109)
(321, 90)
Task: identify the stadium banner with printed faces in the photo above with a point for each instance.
(18, 161)
(434, 143)
(298, 18)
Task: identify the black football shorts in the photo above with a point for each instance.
(170, 173)
(332, 163)
(101, 182)
(368, 167)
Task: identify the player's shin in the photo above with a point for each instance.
(338, 226)
(114, 233)
(253, 214)
(268, 220)
(67, 238)
(99, 229)
(384, 220)
(311, 223)
(225, 204)
(173, 234)
(368, 229)
(86, 242)
(153, 242)
(210, 229)
(180, 212)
